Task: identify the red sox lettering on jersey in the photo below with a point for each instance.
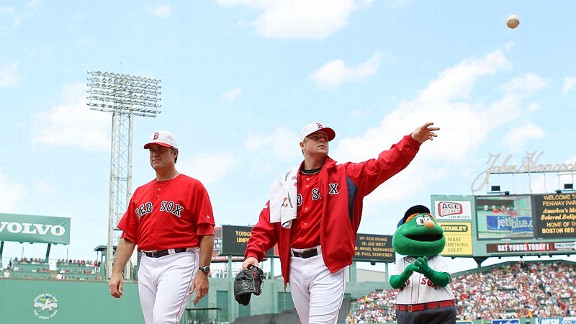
(418, 288)
(170, 220)
(171, 207)
(424, 282)
(332, 190)
(165, 206)
(161, 214)
(144, 209)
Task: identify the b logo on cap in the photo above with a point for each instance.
(156, 135)
(319, 126)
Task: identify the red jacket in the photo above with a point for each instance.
(345, 186)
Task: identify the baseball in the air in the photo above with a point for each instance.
(512, 21)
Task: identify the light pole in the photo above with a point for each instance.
(125, 96)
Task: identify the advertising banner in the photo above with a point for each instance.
(506, 321)
(504, 217)
(34, 229)
(458, 239)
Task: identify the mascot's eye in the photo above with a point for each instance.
(428, 218)
(420, 220)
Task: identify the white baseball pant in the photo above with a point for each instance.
(164, 284)
(317, 293)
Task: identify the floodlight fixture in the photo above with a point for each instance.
(123, 93)
(125, 96)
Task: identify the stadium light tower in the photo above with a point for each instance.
(125, 96)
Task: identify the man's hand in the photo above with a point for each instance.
(250, 261)
(200, 285)
(116, 285)
(425, 132)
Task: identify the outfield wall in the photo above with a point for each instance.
(83, 301)
(29, 301)
(66, 302)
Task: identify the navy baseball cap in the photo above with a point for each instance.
(418, 209)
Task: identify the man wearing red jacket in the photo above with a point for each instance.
(313, 214)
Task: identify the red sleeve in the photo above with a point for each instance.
(368, 175)
(129, 224)
(263, 236)
(204, 208)
(205, 229)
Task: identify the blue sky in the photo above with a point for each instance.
(240, 78)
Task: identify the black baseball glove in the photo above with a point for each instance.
(248, 282)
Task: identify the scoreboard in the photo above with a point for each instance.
(507, 225)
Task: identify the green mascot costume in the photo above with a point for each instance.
(422, 275)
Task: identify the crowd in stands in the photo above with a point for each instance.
(77, 269)
(38, 268)
(82, 263)
(515, 290)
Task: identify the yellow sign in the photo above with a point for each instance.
(458, 238)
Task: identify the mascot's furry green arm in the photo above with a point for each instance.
(419, 236)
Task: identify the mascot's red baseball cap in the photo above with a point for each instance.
(163, 138)
(314, 127)
(418, 209)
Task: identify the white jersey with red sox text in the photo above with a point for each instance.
(420, 289)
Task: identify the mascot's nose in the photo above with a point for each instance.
(428, 223)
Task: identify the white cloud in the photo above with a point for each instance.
(162, 11)
(44, 187)
(518, 137)
(15, 16)
(360, 112)
(232, 95)
(7, 10)
(526, 83)
(456, 82)
(569, 83)
(208, 167)
(9, 75)
(465, 124)
(275, 143)
(7, 13)
(334, 73)
(300, 19)
(71, 123)
(10, 194)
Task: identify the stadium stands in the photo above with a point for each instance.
(78, 269)
(33, 268)
(37, 268)
(510, 290)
